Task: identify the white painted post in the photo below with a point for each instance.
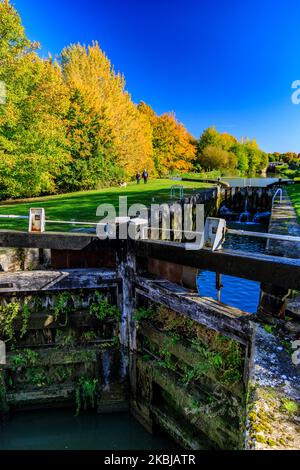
(36, 220)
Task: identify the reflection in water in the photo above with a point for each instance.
(60, 429)
(236, 292)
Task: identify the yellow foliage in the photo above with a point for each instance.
(89, 71)
(174, 147)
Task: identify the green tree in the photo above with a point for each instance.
(31, 122)
(242, 157)
(214, 158)
(91, 147)
(257, 159)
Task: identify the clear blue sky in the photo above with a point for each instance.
(226, 63)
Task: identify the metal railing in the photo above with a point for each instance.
(175, 188)
(278, 191)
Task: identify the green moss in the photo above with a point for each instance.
(289, 405)
(265, 416)
(143, 314)
(282, 441)
(8, 315)
(86, 393)
(25, 358)
(26, 313)
(102, 309)
(61, 305)
(260, 438)
(269, 328)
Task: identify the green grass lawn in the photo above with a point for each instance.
(294, 193)
(81, 206)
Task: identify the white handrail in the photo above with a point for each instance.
(173, 191)
(278, 190)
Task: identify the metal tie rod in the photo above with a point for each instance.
(14, 217)
(72, 222)
(274, 236)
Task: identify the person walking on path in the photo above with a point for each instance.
(138, 177)
(145, 176)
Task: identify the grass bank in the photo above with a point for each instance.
(294, 194)
(81, 206)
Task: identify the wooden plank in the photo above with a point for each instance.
(44, 395)
(276, 270)
(33, 281)
(279, 271)
(229, 321)
(56, 356)
(180, 433)
(191, 357)
(218, 429)
(46, 320)
(53, 240)
(58, 241)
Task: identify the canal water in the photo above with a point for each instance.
(61, 430)
(236, 292)
(244, 182)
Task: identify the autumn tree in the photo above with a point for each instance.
(32, 135)
(290, 157)
(110, 130)
(173, 146)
